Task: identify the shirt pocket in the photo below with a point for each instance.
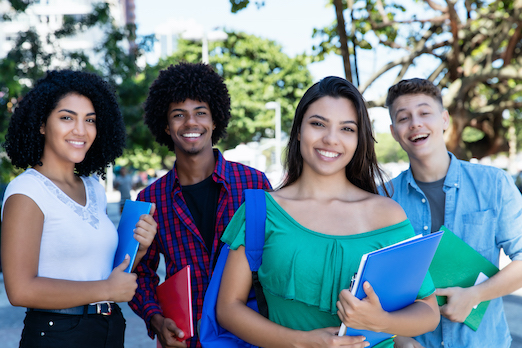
(479, 229)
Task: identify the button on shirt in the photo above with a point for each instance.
(179, 240)
(484, 208)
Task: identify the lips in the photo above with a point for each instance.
(76, 143)
(191, 135)
(328, 154)
(418, 137)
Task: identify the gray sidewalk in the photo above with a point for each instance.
(11, 318)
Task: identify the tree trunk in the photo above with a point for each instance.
(343, 39)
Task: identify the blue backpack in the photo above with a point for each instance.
(211, 334)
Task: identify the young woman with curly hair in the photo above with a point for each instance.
(58, 244)
(326, 215)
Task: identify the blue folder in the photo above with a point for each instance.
(132, 210)
(396, 273)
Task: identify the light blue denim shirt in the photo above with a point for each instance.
(484, 208)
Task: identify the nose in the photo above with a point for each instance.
(415, 121)
(79, 127)
(190, 120)
(331, 137)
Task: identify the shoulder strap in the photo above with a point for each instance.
(255, 206)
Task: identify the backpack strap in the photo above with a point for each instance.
(255, 206)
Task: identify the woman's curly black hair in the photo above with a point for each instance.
(24, 142)
(185, 81)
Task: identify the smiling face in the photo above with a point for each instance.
(418, 125)
(190, 126)
(328, 135)
(69, 130)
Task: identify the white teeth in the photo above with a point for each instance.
(418, 136)
(191, 135)
(328, 153)
(76, 142)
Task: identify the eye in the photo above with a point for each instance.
(65, 117)
(91, 120)
(349, 129)
(199, 113)
(317, 124)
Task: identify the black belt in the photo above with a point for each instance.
(98, 308)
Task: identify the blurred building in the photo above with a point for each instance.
(47, 16)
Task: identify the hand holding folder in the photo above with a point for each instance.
(457, 264)
(127, 245)
(396, 274)
(175, 299)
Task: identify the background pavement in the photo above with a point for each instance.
(11, 318)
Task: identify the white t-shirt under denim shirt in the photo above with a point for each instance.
(78, 242)
(484, 208)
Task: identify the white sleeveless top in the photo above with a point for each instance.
(78, 242)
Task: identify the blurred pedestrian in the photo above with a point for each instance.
(124, 184)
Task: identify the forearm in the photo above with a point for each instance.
(503, 283)
(416, 319)
(254, 328)
(47, 293)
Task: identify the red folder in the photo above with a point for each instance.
(175, 299)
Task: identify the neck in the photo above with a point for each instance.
(192, 169)
(431, 168)
(57, 173)
(321, 187)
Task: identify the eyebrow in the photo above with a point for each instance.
(418, 105)
(184, 110)
(322, 118)
(76, 114)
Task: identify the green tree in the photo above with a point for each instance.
(256, 71)
(473, 49)
(114, 59)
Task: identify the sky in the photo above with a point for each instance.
(290, 23)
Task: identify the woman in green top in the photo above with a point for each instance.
(326, 214)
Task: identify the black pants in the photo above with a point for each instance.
(46, 330)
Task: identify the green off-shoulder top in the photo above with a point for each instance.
(304, 271)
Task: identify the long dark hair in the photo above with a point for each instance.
(363, 170)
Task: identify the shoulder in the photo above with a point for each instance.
(28, 181)
(385, 211)
(481, 172)
(157, 189)
(243, 173)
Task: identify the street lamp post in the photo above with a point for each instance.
(277, 107)
(204, 37)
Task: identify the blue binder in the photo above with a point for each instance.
(396, 274)
(132, 210)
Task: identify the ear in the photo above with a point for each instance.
(299, 136)
(167, 130)
(445, 120)
(394, 135)
(42, 129)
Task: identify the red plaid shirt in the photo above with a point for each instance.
(179, 240)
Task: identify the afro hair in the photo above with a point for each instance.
(24, 142)
(185, 81)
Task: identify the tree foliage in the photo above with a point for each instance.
(475, 54)
(472, 49)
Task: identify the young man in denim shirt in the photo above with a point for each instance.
(480, 204)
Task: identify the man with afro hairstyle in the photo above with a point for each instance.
(188, 109)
